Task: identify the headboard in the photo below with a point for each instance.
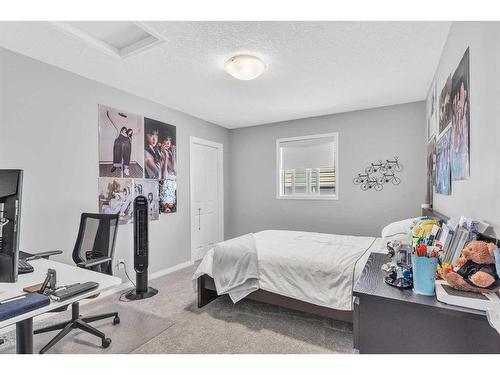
(443, 218)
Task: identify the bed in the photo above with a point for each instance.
(305, 271)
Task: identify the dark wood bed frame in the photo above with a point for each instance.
(207, 291)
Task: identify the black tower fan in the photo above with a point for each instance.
(141, 244)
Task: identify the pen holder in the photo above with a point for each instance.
(424, 275)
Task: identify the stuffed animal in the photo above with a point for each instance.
(474, 270)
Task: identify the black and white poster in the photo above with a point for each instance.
(137, 156)
(445, 107)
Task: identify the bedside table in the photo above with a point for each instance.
(392, 320)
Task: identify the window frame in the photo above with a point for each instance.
(279, 177)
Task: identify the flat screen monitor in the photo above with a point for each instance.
(11, 184)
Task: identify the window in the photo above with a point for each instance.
(307, 167)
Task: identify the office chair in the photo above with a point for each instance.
(94, 250)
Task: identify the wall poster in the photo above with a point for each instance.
(137, 156)
(443, 172)
(160, 158)
(431, 106)
(445, 106)
(460, 120)
(431, 170)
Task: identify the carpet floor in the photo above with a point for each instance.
(170, 322)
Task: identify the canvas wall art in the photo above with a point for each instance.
(116, 196)
(431, 106)
(460, 120)
(120, 143)
(443, 171)
(445, 106)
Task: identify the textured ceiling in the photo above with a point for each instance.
(313, 68)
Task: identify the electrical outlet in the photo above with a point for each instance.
(121, 264)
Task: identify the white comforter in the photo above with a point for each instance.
(318, 268)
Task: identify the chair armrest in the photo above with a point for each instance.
(44, 254)
(94, 262)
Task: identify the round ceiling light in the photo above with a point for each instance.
(245, 67)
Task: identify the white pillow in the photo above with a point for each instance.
(398, 228)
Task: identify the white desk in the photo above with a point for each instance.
(65, 275)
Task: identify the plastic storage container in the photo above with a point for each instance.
(424, 275)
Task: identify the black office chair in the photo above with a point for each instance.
(94, 250)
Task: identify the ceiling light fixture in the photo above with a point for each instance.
(245, 67)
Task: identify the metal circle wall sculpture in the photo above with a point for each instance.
(377, 174)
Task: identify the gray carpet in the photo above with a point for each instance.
(171, 323)
(136, 327)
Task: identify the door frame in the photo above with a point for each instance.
(220, 186)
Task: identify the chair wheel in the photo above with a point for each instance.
(106, 343)
(116, 320)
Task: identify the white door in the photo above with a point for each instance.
(206, 196)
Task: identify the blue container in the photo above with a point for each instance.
(424, 275)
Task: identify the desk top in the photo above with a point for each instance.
(371, 283)
(65, 275)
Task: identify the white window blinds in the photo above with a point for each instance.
(307, 167)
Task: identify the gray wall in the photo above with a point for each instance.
(48, 127)
(477, 197)
(364, 136)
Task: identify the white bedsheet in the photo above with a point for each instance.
(317, 268)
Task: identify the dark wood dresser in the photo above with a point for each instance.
(392, 320)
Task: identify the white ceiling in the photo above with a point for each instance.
(313, 68)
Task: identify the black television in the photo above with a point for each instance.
(11, 186)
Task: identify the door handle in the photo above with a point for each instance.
(199, 218)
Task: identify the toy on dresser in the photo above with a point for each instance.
(475, 270)
(421, 236)
(399, 270)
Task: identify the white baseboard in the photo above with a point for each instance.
(166, 271)
(153, 276)
(118, 288)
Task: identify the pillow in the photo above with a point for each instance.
(398, 229)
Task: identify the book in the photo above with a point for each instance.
(446, 238)
(452, 246)
(453, 223)
(462, 237)
(22, 304)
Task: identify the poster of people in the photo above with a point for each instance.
(431, 107)
(460, 120)
(431, 169)
(149, 189)
(120, 143)
(443, 172)
(160, 161)
(445, 106)
(168, 195)
(116, 196)
(137, 156)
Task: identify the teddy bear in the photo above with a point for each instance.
(474, 270)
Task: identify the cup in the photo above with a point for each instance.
(424, 274)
